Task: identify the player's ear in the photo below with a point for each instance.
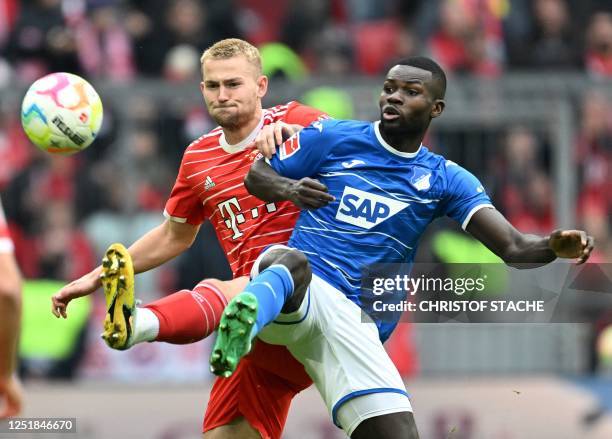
(262, 86)
(437, 108)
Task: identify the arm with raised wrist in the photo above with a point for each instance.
(155, 247)
(266, 184)
(522, 250)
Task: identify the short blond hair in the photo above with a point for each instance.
(231, 47)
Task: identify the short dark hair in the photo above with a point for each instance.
(437, 74)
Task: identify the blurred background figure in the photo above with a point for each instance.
(524, 187)
(10, 319)
(469, 37)
(553, 41)
(599, 45)
(594, 157)
(42, 41)
(103, 44)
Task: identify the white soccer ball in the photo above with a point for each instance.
(61, 113)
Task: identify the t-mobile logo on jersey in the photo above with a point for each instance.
(232, 215)
(230, 211)
(366, 210)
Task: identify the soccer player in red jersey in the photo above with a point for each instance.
(254, 402)
(10, 316)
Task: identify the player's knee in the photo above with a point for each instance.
(298, 265)
(271, 257)
(294, 260)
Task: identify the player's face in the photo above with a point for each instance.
(407, 103)
(232, 90)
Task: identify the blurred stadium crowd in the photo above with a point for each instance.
(64, 211)
(123, 39)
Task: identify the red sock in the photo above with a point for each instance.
(189, 316)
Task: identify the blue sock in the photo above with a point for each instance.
(272, 287)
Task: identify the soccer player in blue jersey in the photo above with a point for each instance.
(369, 191)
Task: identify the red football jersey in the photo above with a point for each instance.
(210, 186)
(6, 243)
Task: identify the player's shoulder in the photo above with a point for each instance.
(454, 176)
(294, 112)
(278, 111)
(454, 170)
(206, 141)
(291, 106)
(431, 159)
(341, 126)
(448, 169)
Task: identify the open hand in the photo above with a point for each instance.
(10, 397)
(78, 288)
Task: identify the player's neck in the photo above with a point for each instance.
(403, 142)
(238, 134)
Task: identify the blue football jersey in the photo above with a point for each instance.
(384, 200)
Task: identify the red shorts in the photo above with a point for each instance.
(260, 390)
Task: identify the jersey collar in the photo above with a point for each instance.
(391, 149)
(231, 149)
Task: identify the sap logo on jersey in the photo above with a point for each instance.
(366, 210)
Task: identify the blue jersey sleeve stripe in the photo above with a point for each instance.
(471, 213)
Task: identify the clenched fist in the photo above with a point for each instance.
(571, 244)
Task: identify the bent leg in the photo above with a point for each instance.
(341, 350)
(186, 316)
(297, 264)
(189, 316)
(258, 393)
(279, 287)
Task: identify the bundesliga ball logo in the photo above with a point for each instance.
(61, 113)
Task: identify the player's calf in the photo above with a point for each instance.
(183, 317)
(280, 286)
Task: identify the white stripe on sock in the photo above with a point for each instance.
(146, 326)
(198, 301)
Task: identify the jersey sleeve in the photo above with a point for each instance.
(465, 194)
(6, 243)
(303, 115)
(303, 153)
(184, 206)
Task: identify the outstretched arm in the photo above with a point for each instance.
(157, 246)
(266, 184)
(523, 250)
